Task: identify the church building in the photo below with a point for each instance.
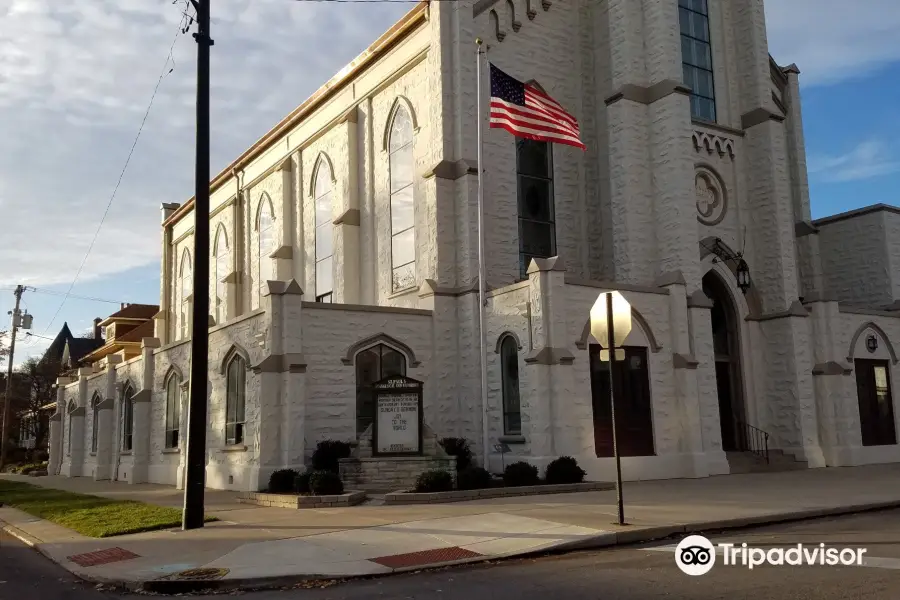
(345, 249)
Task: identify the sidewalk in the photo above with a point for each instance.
(252, 543)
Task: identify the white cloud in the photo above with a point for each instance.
(871, 158)
(834, 40)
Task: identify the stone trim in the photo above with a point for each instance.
(150, 342)
(612, 285)
(232, 350)
(699, 300)
(294, 501)
(234, 321)
(856, 213)
(107, 404)
(397, 310)
(281, 363)
(395, 498)
(670, 278)
(637, 317)
(795, 310)
(507, 334)
(648, 95)
(56, 417)
(283, 288)
(348, 217)
(430, 288)
(283, 252)
(684, 361)
(513, 287)
(759, 115)
(77, 412)
(448, 169)
(512, 439)
(859, 331)
(142, 396)
(815, 296)
(234, 448)
(874, 312)
(718, 127)
(831, 368)
(381, 338)
(171, 451)
(554, 263)
(550, 356)
(791, 68)
(804, 228)
(233, 277)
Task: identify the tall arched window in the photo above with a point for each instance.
(220, 265)
(509, 365)
(127, 418)
(173, 410)
(235, 374)
(69, 411)
(403, 237)
(185, 291)
(265, 225)
(696, 57)
(373, 365)
(95, 421)
(537, 221)
(324, 233)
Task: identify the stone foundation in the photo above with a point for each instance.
(391, 473)
(294, 501)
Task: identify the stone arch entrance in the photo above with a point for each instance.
(727, 352)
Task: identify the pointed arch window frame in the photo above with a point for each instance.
(221, 269)
(365, 380)
(264, 255)
(402, 222)
(529, 223)
(172, 423)
(323, 221)
(127, 441)
(95, 421)
(234, 367)
(508, 347)
(185, 292)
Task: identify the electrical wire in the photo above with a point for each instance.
(169, 58)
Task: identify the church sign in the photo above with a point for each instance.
(398, 417)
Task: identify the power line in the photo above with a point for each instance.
(56, 293)
(169, 58)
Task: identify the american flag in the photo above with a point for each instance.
(525, 111)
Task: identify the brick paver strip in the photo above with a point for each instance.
(425, 557)
(102, 557)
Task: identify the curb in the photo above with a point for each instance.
(603, 540)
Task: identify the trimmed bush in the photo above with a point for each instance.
(473, 478)
(282, 481)
(436, 480)
(458, 447)
(564, 469)
(519, 474)
(327, 455)
(325, 483)
(301, 482)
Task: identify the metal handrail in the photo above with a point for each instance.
(754, 440)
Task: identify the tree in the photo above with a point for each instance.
(35, 391)
(4, 347)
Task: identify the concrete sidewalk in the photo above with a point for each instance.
(253, 544)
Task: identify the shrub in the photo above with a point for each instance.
(325, 483)
(301, 482)
(282, 481)
(473, 478)
(520, 473)
(327, 455)
(564, 469)
(458, 447)
(436, 480)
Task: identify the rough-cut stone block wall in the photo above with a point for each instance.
(270, 187)
(173, 360)
(892, 235)
(391, 474)
(222, 234)
(95, 384)
(855, 259)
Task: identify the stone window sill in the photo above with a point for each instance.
(92, 454)
(171, 450)
(404, 292)
(234, 448)
(512, 439)
(125, 453)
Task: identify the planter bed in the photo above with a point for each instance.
(297, 501)
(494, 492)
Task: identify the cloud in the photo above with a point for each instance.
(871, 158)
(834, 40)
(75, 80)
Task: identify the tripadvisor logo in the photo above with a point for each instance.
(696, 555)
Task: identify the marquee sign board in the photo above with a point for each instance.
(398, 417)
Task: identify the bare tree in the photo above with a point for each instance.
(35, 391)
(4, 346)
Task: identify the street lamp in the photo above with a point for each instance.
(611, 324)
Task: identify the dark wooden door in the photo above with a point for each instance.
(876, 406)
(634, 421)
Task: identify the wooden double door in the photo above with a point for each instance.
(634, 421)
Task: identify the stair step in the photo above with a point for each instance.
(747, 462)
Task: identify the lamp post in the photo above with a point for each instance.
(610, 325)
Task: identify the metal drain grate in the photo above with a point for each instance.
(102, 557)
(199, 575)
(425, 557)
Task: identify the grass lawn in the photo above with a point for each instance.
(88, 515)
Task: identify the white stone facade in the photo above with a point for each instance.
(639, 211)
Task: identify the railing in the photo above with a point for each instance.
(753, 439)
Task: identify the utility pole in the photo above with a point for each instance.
(195, 475)
(9, 373)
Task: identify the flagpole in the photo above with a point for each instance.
(482, 300)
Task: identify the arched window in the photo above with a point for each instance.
(403, 236)
(509, 364)
(71, 408)
(185, 292)
(95, 421)
(234, 400)
(265, 225)
(127, 418)
(696, 57)
(220, 251)
(173, 410)
(324, 234)
(373, 365)
(537, 222)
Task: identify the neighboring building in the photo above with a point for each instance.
(345, 244)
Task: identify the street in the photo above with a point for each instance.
(630, 573)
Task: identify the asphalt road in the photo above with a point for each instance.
(628, 573)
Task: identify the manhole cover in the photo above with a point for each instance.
(200, 574)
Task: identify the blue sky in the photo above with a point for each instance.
(75, 79)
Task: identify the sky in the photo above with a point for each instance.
(76, 79)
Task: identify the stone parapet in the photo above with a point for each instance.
(391, 472)
(293, 501)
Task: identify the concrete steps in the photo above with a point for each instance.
(747, 462)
